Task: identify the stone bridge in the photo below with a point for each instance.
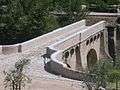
(75, 47)
(80, 50)
(71, 49)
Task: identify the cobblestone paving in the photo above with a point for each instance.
(41, 80)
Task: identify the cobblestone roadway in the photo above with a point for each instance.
(41, 80)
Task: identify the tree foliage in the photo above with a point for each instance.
(21, 20)
(103, 5)
(70, 11)
(107, 2)
(104, 73)
(15, 79)
(114, 77)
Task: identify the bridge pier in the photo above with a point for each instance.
(111, 41)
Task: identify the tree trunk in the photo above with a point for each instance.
(89, 87)
(16, 86)
(13, 85)
(19, 86)
(116, 85)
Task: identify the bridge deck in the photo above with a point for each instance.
(41, 80)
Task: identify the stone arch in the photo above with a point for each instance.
(87, 42)
(66, 54)
(72, 51)
(98, 36)
(118, 20)
(91, 40)
(95, 38)
(91, 58)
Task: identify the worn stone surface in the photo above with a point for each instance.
(41, 80)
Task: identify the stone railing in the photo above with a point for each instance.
(58, 67)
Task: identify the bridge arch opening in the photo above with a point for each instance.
(91, 58)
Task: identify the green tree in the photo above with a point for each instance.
(100, 70)
(104, 73)
(114, 77)
(108, 2)
(103, 5)
(21, 20)
(69, 11)
(15, 79)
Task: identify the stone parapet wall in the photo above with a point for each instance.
(65, 72)
(67, 42)
(86, 33)
(8, 49)
(0, 49)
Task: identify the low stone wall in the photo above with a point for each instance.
(57, 66)
(0, 50)
(67, 42)
(59, 69)
(8, 49)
